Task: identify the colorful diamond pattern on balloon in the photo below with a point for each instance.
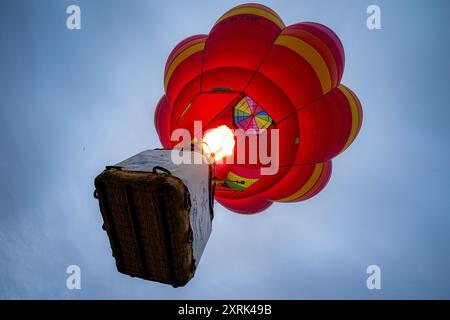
(248, 115)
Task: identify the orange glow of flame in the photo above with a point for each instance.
(218, 142)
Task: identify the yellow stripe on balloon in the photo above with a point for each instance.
(355, 115)
(311, 55)
(320, 45)
(185, 46)
(307, 186)
(184, 111)
(247, 182)
(255, 11)
(180, 58)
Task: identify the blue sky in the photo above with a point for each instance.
(73, 101)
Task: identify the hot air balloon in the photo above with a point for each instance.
(253, 72)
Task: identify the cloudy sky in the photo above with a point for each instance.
(73, 101)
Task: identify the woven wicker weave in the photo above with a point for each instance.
(146, 216)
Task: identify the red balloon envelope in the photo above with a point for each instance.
(253, 72)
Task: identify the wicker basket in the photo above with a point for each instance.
(155, 231)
